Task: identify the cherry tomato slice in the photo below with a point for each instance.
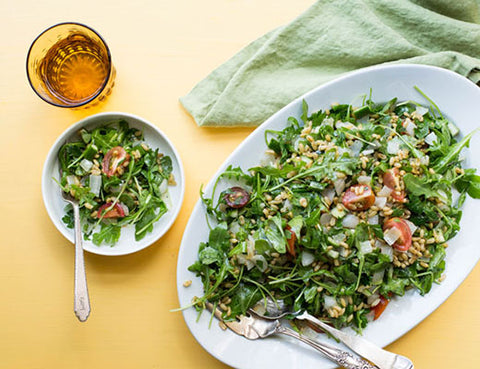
(116, 212)
(399, 196)
(358, 197)
(380, 307)
(236, 197)
(390, 179)
(113, 158)
(405, 240)
(291, 239)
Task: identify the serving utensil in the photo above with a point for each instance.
(81, 305)
(253, 326)
(382, 358)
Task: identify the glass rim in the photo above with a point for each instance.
(102, 88)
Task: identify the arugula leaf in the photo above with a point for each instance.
(471, 184)
(209, 255)
(453, 152)
(219, 238)
(275, 235)
(419, 186)
(109, 234)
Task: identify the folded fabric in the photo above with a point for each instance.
(331, 38)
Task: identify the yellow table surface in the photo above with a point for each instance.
(160, 49)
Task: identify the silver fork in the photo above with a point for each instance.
(384, 359)
(253, 327)
(81, 304)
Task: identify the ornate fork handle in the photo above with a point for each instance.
(81, 303)
(343, 358)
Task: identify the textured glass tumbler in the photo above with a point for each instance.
(69, 65)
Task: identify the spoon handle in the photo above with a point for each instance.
(342, 358)
(81, 305)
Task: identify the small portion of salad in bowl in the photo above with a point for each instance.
(352, 207)
(126, 177)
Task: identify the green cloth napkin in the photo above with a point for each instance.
(331, 38)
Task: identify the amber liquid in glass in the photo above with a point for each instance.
(75, 69)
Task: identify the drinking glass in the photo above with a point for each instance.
(69, 65)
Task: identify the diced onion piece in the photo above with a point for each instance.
(234, 227)
(124, 208)
(347, 125)
(377, 277)
(365, 247)
(343, 150)
(297, 142)
(440, 237)
(95, 184)
(356, 147)
(443, 195)
(287, 205)
(350, 221)
(364, 180)
(372, 298)
(325, 218)
(431, 138)
(86, 165)
(375, 145)
(307, 258)
(380, 202)
(385, 249)
(393, 146)
(453, 129)
(250, 247)
(163, 186)
(385, 191)
(329, 193)
(260, 262)
(343, 252)
(412, 226)
(333, 254)
(329, 302)
(391, 235)
(373, 220)
(339, 185)
(410, 127)
(328, 121)
(367, 152)
(339, 237)
(425, 160)
(73, 180)
(370, 316)
(337, 213)
(254, 261)
(421, 110)
(242, 259)
(267, 160)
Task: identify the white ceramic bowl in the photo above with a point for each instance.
(55, 205)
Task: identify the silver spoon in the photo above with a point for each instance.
(81, 304)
